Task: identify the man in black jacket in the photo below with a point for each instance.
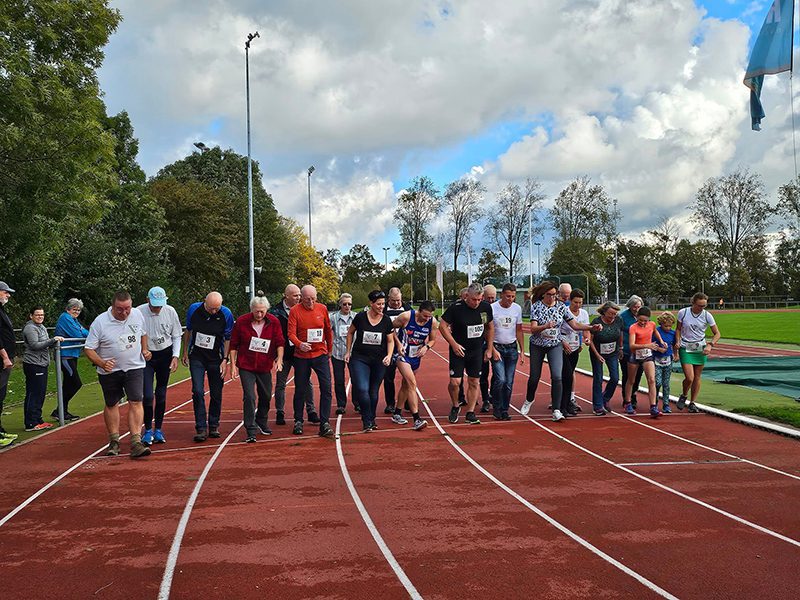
(8, 346)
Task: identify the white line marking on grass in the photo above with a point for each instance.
(77, 465)
(373, 530)
(543, 515)
(174, 551)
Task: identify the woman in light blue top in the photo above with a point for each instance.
(68, 327)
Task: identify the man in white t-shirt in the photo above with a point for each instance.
(117, 346)
(509, 343)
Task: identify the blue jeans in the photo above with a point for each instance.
(367, 377)
(599, 396)
(555, 358)
(157, 367)
(199, 368)
(503, 380)
(321, 365)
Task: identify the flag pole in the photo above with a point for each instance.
(791, 93)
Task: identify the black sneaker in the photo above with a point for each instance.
(497, 415)
(325, 430)
(571, 413)
(251, 439)
(505, 416)
(214, 433)
(453, 417)
(389, 410)
(373, 426)
(280, 419)
(70, 417)
(263, 429)
(693, 408)
(340, 411)
(462, 402)
(600, 412)
(200, 436)
(486, 407)
(313, 417)
(298, 428)
(681, 402)
(471, 419)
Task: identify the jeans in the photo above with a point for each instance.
(599, 396)
(503, 379)
(388, 384)
(367, 376)
(339, 387)
(157, 367)
(70, 380)
(663, 374)
(623, 364)
(568, 378)
(302, 382)
(486, 391)
(199, 368)
(35, 389)
(255, 384)
(555, 357)
(280, 387)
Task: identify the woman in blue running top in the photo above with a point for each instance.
(417, 333)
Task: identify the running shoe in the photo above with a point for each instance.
(599, 412)
(158, 437)
(214, 432)
(325, 430)
(453, 416)
(654, 411)
(298, 428)
(340, 411)
(389, 410)
(571, 412)
(147, 438)
(39, 427)
(420, 424)
(373, 426)
(4, 441)
(497, 415)
(462, 402)
(557, 416)
(313, 417)
(505, 416)
(113, 448)
(9, 436)
(486, 407)
(70, 417)
(280, 419)
(471, 419)
(666, 409)
(526, 407)
(139, 450)
(398, 419)
(629, 410)
(367, 428)
(251, 439)
(681, 402)
(263, 429)
(693, 408)
(607, 408)
(200, 436)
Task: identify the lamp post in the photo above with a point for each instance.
(530, 248)
(616, 252)
(386, 259)
(250, 38)
(538, 262)
(310, 171)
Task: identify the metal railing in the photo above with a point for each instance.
(71, 343)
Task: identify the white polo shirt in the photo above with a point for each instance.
(505, 322)
(120, 340)
(163, 329)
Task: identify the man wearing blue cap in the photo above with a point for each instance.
(163, 329)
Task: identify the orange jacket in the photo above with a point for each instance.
(316, 320)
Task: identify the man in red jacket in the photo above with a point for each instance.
(256, 346)
(310, 331)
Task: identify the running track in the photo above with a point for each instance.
(689, 506)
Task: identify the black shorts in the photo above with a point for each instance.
(472, 362)
(122, 383)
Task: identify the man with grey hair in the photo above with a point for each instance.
(291, 296)
(205, 351)
(468, 328)
(69, 327)
(8, 346)
(340, 322)
(564, 290)
(394, 308)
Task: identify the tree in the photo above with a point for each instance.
(733, 210)
(510, 219)
(489, 266)
(462, 203)
(584, 211)
(333, 258)
(415, 208)
(576, 257)
(308, 266)
(789, 204)
(360, 265)
(665, 235)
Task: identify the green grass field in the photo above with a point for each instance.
(780, 327)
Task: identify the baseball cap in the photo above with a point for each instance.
(4, 287)
(157, 296)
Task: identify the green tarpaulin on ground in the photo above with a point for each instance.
(778, 374)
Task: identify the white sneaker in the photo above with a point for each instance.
(399, 419)
(557, 416)
(420, 424)
(526, 407)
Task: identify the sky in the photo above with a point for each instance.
(644, 97)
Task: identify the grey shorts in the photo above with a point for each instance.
(129, 384)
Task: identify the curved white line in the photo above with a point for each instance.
(562, 528)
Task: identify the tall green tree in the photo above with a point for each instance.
(463, 200)
(359, 265)
(489, 267)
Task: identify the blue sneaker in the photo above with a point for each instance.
(158, 437)
(666, 409)
(654, 411)
(147, 438)
(629, 410)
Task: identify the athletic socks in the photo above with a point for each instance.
(415, 416)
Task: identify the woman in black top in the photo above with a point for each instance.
(370, 344)
(606, 349)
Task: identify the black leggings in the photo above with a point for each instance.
(568, 377)
(555, 356)
(70, 380)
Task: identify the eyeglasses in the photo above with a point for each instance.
(551, 294)
(377, 296)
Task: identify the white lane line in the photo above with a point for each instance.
(662, 486)
(373, 530)
(77, 465)
(562, 528)
(678, 462)
(174, 551)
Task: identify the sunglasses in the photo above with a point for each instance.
(347, 304)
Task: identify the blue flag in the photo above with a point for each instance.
(772, 53)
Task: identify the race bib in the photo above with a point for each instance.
(314, 335)
(643, 353)
(695, 346)
(608, 348)
(206, 342)
(372, 338)
(574, 340)
(413, 351)
(664, 361)
(550, 334)
(343, 329)
(474, 331)
(259, 345)
(127, 341)
(506, 322)
(158, 341)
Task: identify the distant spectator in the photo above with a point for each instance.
(8, 346)
(34, 364)
(69, 327)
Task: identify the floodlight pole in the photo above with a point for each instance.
(250, 38)
(310, 171)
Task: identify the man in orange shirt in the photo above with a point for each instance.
(310, 331)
